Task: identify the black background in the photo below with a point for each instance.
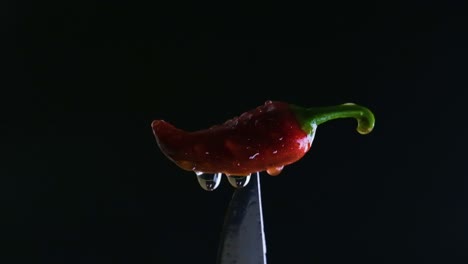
(82, 179)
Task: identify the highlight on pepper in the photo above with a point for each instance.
(266, 138)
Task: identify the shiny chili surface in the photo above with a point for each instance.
(264, 139)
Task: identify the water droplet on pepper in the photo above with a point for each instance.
(209, 182)
(275, 171)
(238, 181)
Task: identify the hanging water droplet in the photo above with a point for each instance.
(239, 181)
(274, 171)
(198, 173)
(209, 182)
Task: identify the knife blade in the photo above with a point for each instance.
(243, 237)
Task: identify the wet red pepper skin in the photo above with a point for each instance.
(264, 139)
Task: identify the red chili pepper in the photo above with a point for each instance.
(266, 138)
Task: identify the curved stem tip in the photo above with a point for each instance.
(310, 118)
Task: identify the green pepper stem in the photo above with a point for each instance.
(310, 118)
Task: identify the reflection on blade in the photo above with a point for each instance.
(242, 238)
